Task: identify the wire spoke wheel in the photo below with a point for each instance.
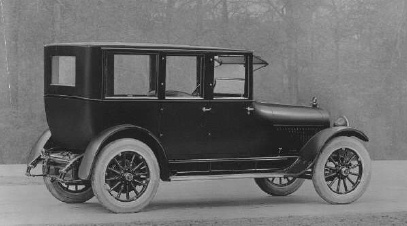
(344, 175)
(69, 192)
(279, 186)
(126, 176)
(74, 188)
(342, 171)
(281, 181)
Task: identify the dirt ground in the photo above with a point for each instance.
(25, 201)
(353, 219)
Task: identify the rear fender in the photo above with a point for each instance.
(118, 132)
(38, 147)
(311, 150)
(36, 152)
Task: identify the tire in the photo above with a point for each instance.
(69, 193)
(342, 171)
(126, 176)
(279, 186)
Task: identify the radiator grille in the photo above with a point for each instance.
(299, 135)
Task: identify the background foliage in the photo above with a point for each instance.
(351, 54)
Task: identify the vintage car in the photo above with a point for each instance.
(123, 117)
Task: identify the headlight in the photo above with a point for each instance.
(342, 121)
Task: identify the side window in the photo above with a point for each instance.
(131, 76)
(63, 70)
(229, 76)
(183, 77)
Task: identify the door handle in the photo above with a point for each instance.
(204, 109)
(249, 110)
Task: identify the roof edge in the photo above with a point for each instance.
(145, 45)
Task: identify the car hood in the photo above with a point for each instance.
(291, 115)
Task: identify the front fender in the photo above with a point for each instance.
(117, 132)
(310, 152)
(38, 147)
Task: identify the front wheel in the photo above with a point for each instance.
(342, 171)
(126, 176)
(279, 186)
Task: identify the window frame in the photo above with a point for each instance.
(248, 77)
(75, 61)
(108, 72)
(200, 73)
(54, 89)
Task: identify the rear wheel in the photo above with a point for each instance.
(279, 186)
(342, 171)
(69, 192)
(126, 176)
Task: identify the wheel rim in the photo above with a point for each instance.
(127, 176)
(343, 171)
(74, 188)
(281, 181)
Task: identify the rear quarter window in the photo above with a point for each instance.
(63, 70)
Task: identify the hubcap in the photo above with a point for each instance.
(127, 176)
(343, 171)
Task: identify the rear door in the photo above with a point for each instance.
(183, 119)
(130, 89)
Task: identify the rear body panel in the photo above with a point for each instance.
(74, 122)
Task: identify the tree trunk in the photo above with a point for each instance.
(312, 44)
(337, 56)
(13, 48)
(292, 49)
(57, 20)
(199, 20)
(225, 24)
(5, 64)
(169, 14)
(399, 84)
(336, 38)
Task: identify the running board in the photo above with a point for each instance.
(226, 176)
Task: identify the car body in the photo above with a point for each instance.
(125, 116)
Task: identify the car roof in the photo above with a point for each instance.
(149, 46)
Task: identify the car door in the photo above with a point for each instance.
(130, 89)
(182, 117)
(231, 127)
(230, 122)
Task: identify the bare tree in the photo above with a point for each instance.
(169, 14)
